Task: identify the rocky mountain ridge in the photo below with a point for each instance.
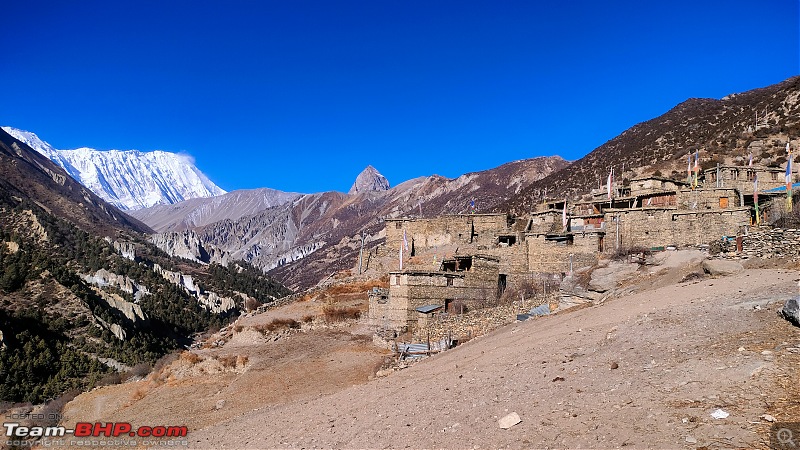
(369, 180)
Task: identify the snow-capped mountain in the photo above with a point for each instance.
(128, 179)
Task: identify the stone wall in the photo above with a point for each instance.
(554, 256)
(476, 322)
(770, 243)
(476, 229)
(659, 227)
(708, 199)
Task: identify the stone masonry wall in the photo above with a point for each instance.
(553, 257)
(653, 227)
(445, 230)
(772, 243)
(477, 322)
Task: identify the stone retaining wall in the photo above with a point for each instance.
(770, 243)
(477, 322)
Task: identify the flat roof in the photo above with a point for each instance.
(427, 309)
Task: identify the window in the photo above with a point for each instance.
(398, 225)
(734, 174)
(774, 176)
(723, 202)
(507, 240)
(501, 284)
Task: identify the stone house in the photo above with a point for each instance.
(463, 283)
(742, 177)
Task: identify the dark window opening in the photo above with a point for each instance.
(508, 240)
(501, 284)
(457, 264)
(449, 281)
(398, 225)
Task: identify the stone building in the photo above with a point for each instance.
(741, 177)
(477, 255)
(465, 282)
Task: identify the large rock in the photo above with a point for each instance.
(791, 311)
(607, 278)
(721, 267)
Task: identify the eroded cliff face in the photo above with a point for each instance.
(187, 244)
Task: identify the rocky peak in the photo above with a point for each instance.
(369, 180)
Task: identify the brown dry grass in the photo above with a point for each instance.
(277, 324)
(191, 358)
(340, 313)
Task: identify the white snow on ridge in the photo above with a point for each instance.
(128, 179)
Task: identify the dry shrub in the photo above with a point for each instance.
(138, 371)
(238, 328)
(308, 318)
(110, 379)
(526, 289)
(227, 361)
(52, 410)
(340, 313)
(191, 358)
(277, 324)
(251, 304)
(138, 395)
(160, 371)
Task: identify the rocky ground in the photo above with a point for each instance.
(642, 370)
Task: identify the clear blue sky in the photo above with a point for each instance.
(302, 95)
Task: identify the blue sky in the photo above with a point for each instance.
(302, 95)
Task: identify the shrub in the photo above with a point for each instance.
(191, 357)
(277, 324)
(340, 313)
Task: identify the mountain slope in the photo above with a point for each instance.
(198, 212)
(128, 179)
(723, 130)
(83, 294)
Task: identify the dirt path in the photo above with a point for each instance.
(680, 353)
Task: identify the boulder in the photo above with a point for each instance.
(721, 267)
(607, 278)
(791, 311)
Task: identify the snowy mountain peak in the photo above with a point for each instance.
(128, 179)
(369, 180)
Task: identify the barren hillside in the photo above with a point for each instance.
(646, 370)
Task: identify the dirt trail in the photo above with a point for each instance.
(678, 358)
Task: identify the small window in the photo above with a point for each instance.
(398, 225)
(774, 176)
(723, 202)
(449, 281)
(507, 240)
